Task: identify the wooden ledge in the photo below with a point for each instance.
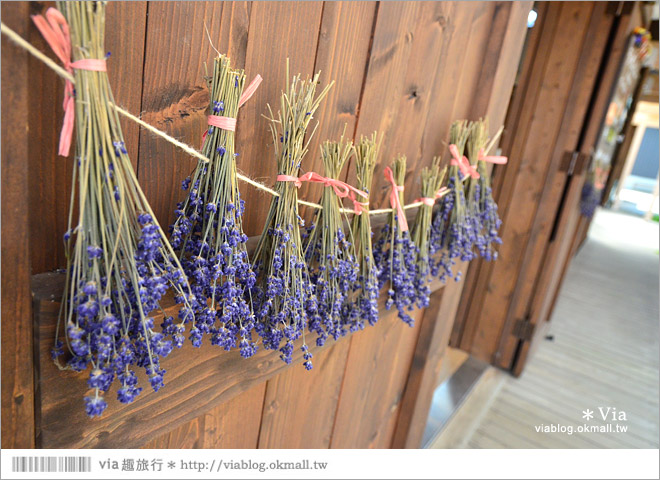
(197, 379)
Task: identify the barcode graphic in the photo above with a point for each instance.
(51, 464)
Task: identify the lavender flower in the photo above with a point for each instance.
(453, 230)
(482, 207)
(330, 254)
(208, 233)
(366, 289)
(396, 255)
(283, 294)
(432, 178)
(119, 263)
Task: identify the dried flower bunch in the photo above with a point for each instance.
(453, 227)
(330, 252)
(208, 232)
(366, 290)
(482, 207)
(396, 255)
(283, 293)
(119, 263)
(432, 178)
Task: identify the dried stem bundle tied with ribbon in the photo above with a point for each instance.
(284, 294)
(119, 263)
(208, 231)
(330, 249)
(427, 267)
(395, 253)
(365, 304)
(453, 229)
(483, 209)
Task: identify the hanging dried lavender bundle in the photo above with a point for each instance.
(119, 263)
(208, 233)
(452, 228)
(432, 178)
(284, 294)
(329, 249)
(394, 253)
(365, 303)
(482, 207)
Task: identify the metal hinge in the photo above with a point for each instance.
(573, 163)
(619, 8)
(523, 329)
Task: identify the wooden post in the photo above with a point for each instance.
(17, 371)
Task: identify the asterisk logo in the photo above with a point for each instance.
(171, 464)
(587, 414)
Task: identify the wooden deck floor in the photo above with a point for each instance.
(605, 353)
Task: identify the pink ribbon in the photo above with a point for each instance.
(55, 31)
(430, 201)
(358, 207)
(342, 189)
(395, 202)
(462, 162)
(498, 159)
(228, 123)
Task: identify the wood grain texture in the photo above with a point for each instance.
(376, 371)
(277, 31)
(512, 44)
(300, 406)
(539, 249)
(342, 52)
(547, 257)
(534, 154)
(50, 178)
(175, 97)
(18, 415)
(426, 366)
(232, 424)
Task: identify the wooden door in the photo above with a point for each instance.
(570, 62)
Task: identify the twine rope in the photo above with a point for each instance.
(25, 45)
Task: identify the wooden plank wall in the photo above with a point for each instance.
(17, 369)
(406, 69)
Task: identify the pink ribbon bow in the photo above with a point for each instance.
(462, 162)
(55, 31)
(342, 189)
(498, 159)
(395, 202)
(228, 123)
(430, 201)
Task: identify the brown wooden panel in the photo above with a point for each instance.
(341, 55)
(574, 117)
(554, 269)
(377, 369)
(426, 365)
(512, 44)
(534, 155)
(277, 31)
(17, 370)
(300, 406)
(50, 174)
(233, 424)
(175, 97)
(384, 82)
